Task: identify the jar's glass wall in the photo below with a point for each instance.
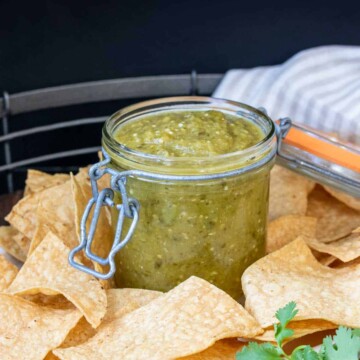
(213, 230)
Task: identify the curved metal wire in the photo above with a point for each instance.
(106, 90)
(76, 94)
(52, 127)
(5, 128)
(48, 157)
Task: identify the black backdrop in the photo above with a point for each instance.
(51, 42)
(47, 43)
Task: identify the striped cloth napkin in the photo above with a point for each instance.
(319, 87)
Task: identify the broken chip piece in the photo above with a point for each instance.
(47, 271)
(293, 274)
(186, 320)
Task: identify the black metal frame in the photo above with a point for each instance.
(77, 94)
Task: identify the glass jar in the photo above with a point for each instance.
(204, 216)
(179, 216)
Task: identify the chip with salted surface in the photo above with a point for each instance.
(335, 219)
(301, 328)
(23, 242)
(29, 331)
(288, 193)
(120, 302)
(23, 215)
(48, 271)
(287, 228)
(8, 243)
(293, 274)
(222, 350)
(55, 213)
(37, 181)
(123, 301)
(48, 206)
(345, 249)
(345, 198)
(186, 320)
(8, 272)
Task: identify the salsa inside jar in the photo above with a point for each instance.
(189, 133)
(213, 229)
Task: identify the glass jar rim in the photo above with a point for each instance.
(181, 103)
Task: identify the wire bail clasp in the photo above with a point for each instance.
(282, 130)
(128, 209)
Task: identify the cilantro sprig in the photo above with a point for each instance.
(345, 345)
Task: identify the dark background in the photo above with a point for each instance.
(45, 43)
(48, 43)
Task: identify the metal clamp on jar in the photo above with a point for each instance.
(201, 215)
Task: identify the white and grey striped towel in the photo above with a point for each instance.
(319, 87)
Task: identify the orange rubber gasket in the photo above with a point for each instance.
(323, 149)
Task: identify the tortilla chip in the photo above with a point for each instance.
(47, 271)
(347, 199)
(8, 272)
(28, 331)
(23, 215)
(55, 213)
(335, 219)
(123, 301)
(38, 181)
(120, 302)
(52, 301)
(301, 328)
(104, 235)
(287, 228)
(339, 264)
(293, 274)
(23, 242)
(222, 350)
(345, 249)
(324, 259)
(51, 356)
(8, 243)
(186, 320)
(288, 193)
(82, 332)
(56, 204)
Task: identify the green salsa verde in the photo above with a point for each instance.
(213, 229)
(189, 133)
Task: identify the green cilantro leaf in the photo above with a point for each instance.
(305, 353)
(310, 354)
(284, 315)
(255, 351)
(282, 333)
(346, 345)
(287, 313)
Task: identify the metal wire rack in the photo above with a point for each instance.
(14, 105)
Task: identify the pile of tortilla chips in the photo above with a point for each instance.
(49, 310)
